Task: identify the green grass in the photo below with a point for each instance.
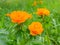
(10, 36)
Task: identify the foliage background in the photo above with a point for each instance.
(10, 36)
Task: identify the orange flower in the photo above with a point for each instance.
(19, 16)
(35, 28)
(43, 11)
(34, 3)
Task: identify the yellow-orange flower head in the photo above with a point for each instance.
(43, 11)
(34, 3)
(35, 28)
(19, 16)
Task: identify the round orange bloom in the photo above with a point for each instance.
(43, 11)
(35, 28)
(19, 16)
(34, 3)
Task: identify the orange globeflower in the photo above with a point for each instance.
(43, 11)
(35, 28)
(19, 16)
(34, 3)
